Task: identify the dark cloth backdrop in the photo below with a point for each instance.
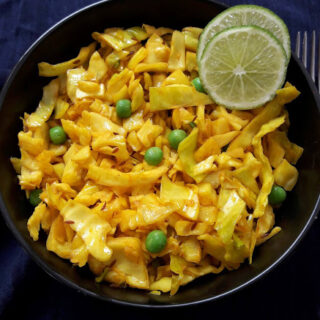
(292, 291)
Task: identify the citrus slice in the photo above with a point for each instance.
(243, 15)
(242, 67)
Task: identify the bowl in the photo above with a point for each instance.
(23, 91)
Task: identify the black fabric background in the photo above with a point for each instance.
(291, 291)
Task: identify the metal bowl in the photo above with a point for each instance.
(23, 91)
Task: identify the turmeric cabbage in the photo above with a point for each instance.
(100, 199)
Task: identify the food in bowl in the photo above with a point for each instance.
(134, 170)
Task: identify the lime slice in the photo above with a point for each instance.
(243, 15)
(242, 67)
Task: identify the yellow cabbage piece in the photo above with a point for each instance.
(115, 178)
(266, 176)
(135, 122)
(52, 70)
(207, 195)
(231, 254)
(72, 174)
(176, 77)
(191, 42)
(275, 151)
(137, 98)
(194, 31)
(204, 167)
(213, 245)
(73, 77)
(91, 193)
(163, 284)
(46, 105)
(177, 264)
(99, 123)
(150, 30)
(117, 39)
(58, 169)
(138, 33)
(131, 220)
(31, 175)
(118, 81)
(97, 67)
(154, 210)
(16, 163)
(286, 175)
(225, 138)
(208, 214)
(265, 223)
(208, 148)
(60, 108)
(133, 141)
(31, 144)
(292, 151)
(191, 228)
(248, 173)
(191, 250)
(56, 241)
(181, 117)
(148, 133)
(58, 194)
(79, 251)
(186, 150)
(90, 88)
(234, 121)
(129, 265)
(191, 61)
(175, 96)
(77, 134)
(113, 145)
(151, 67)
(230, 212)
(35, 220)
(90, 227)
(177, 52)
(185, 198)
(220, 126)
(137, 58)
(157, 51)
(270, 111)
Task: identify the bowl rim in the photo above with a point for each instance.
(56, 275)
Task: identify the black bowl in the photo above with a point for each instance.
(23, 91)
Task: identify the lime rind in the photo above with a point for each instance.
(221, 22)
(243, 105)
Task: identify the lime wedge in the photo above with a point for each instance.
(242, 67)
(243, 15)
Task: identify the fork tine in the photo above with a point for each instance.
(305, 49)
(313, 56)
(298, 45)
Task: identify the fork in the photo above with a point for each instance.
(314, 57)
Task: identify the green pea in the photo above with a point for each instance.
(34, 197)
(197, 84)
(192, 124)
(123, 108)
(57, 135)
(277, 195)
(153, 156)
(175, 137)
(156, 241)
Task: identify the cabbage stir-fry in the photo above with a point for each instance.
(135, 171)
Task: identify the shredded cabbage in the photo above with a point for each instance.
(100, 197)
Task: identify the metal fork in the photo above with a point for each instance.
(314, 57)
